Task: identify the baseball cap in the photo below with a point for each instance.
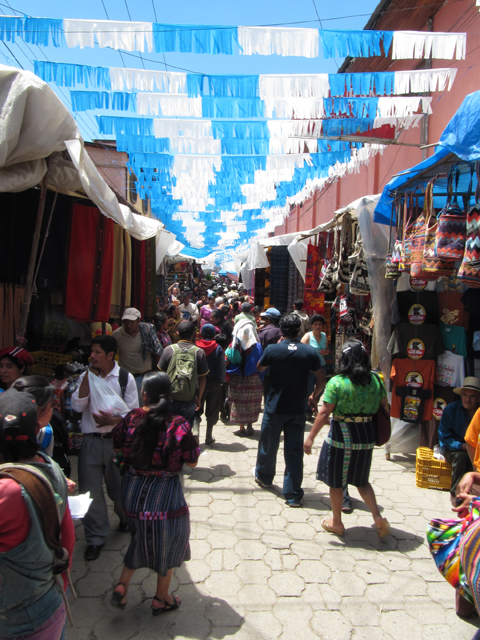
(131, 314)
(18, 353)
(271, 313)
(208, 331)
(18, 416)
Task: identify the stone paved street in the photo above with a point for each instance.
(262, 570)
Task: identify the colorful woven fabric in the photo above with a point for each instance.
(448, 540)
(245, 398)
(469, 271)
(159, 522)
(452, 226)
(346, 454)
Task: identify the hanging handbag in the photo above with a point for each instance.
(391, 264)
(469, 271)
(452, 225)
(418, 242)
(431, 265)
(346, 310)
(359, 282)
(408, 233)
(366, 322)
(328, 282)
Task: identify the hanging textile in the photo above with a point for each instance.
(280, 259)
(11, 300)
(90, 266)
(118, 262)
(150, 280)
(126, 294)
(138, 275)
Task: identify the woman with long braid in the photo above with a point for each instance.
(152, 445)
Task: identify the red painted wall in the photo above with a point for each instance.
(460, 16)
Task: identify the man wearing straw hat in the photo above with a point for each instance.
(456, 432)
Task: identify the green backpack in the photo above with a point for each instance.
(182, 372)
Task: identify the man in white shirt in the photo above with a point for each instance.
(95, 461)
(188, 310)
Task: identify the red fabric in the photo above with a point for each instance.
(207, 345)
(90, 266)
(14, 516)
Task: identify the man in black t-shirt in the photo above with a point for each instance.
(290, 363)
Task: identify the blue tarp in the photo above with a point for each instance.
(461, 137)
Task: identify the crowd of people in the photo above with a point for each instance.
(210, 354)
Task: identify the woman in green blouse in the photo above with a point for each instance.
(353, 396)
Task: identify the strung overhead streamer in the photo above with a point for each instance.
(269, 86)
(284, 41)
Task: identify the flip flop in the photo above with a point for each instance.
(384, 529)
(168, 606)
(331, 529)
(117, 597)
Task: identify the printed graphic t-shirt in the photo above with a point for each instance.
(454, 339)
(451, 369)
(451, 309)
(418, 307)
(420, 374)
(417, 342)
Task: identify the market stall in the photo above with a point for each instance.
(433, 261)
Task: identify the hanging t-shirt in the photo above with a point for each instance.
(417, 342)
(451, 309)
(414, 378)
(407, 283)
(451, 369)
(418, 308)
(441, 397)
(471, 303)
(454, 339)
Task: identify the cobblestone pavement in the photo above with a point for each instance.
(262, 570)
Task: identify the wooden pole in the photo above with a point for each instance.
(22, 326)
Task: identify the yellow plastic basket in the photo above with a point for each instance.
(46, 361)
(431, 473)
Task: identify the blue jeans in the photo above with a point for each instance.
(293, 427)
(184, 409)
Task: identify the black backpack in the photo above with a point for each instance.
(61, 443)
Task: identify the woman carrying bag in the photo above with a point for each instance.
(353, 397)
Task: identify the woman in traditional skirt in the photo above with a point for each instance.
(152, 445)
(353, 396)
(245, 390)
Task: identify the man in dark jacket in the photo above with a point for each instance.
(212, 396)
(290, 363)
(269, 334)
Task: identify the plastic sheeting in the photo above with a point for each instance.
(36, 124)
(462, 134)
(375, 245)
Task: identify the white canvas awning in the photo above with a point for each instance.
(34, 124)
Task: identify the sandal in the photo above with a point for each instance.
(250, 430)
(117, 597)
(338, 531)
(384, 529)
(167, 606)
(241, 433)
